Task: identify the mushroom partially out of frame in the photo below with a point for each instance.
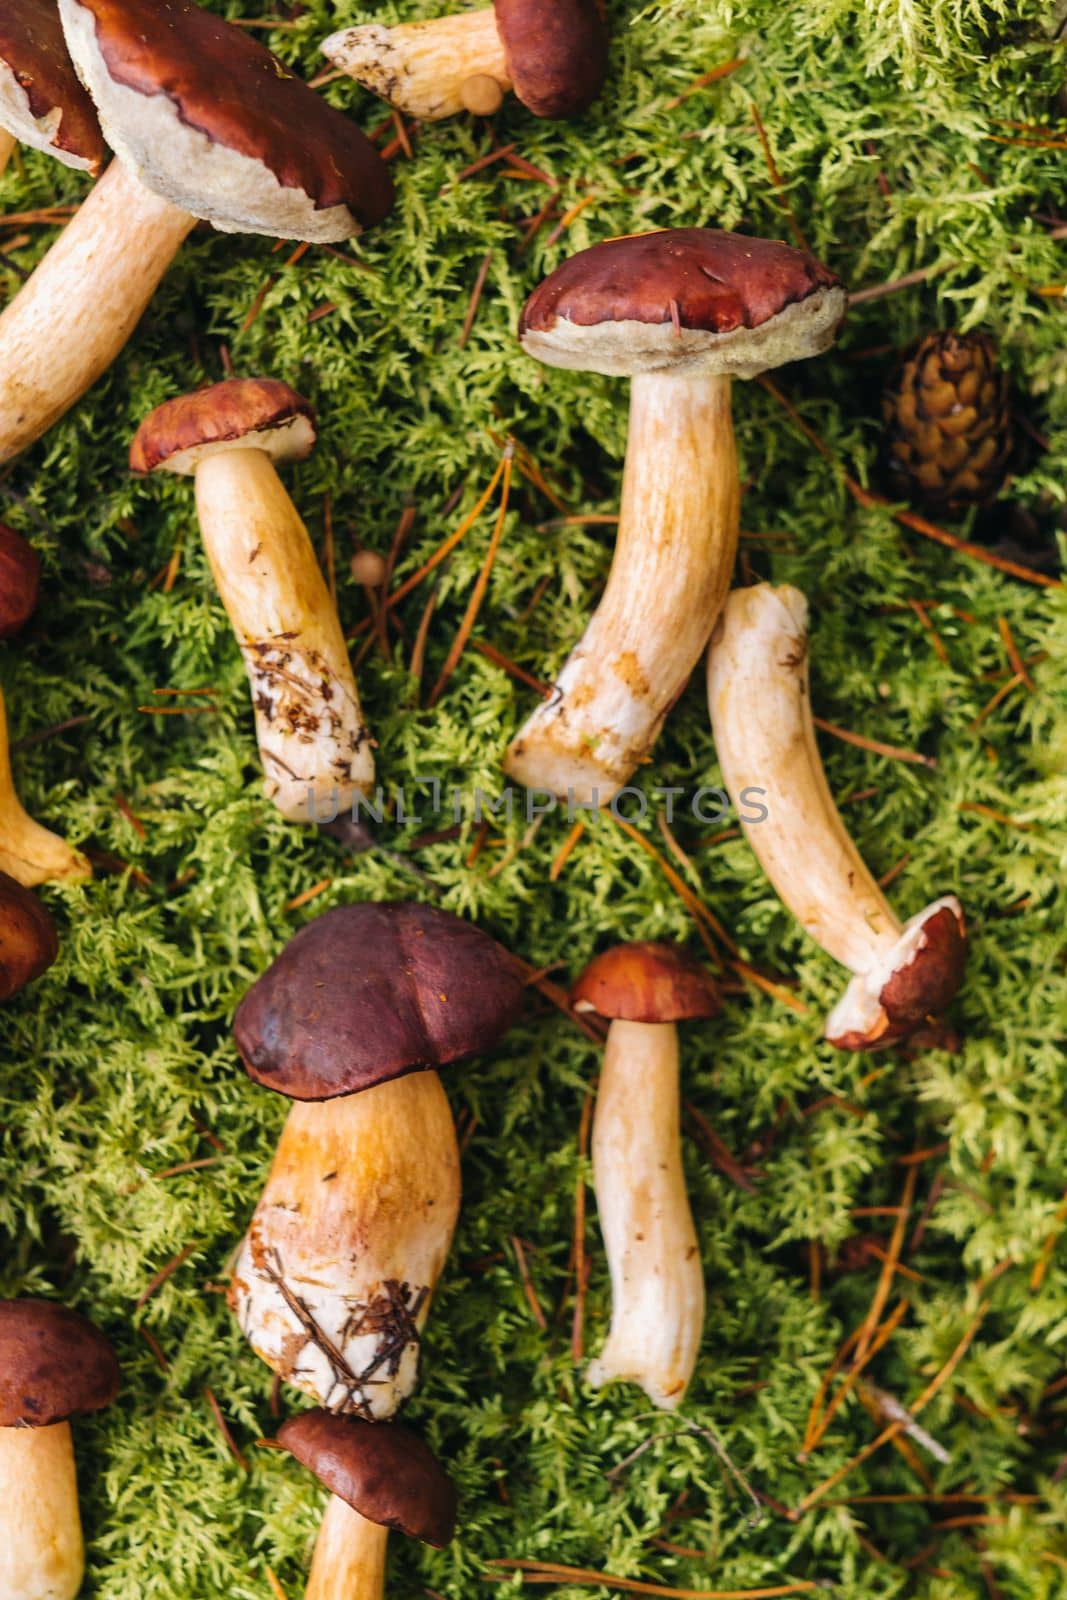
(42, 104)
(681, 313)
(28, 939)
(657, 1282)
(29, 853)
(205, 123)
(20, 581)
(552, 53)
(313, 743)
(53, 1364)
(333, 1281)
(903, 974)
(381, 1476)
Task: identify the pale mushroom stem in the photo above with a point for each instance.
(313, 742)
(428, 70)
(77, 310)
(674, 554)
(657, 1314)
(349, 1561)
(29, 853)
(7, 146)
(41, 1550)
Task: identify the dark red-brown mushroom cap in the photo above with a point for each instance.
(922, 980)
(20, 581)
(366, 993)
(28, 939)
(53, 1363)
(382, 1469)
(46, 106)
(179, 433)
(649, 980)
(183, 96)
(557, 52)
(683, 297)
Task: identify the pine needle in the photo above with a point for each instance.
(470, 616)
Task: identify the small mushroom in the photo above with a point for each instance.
(42, 104)
(681, 313)
(313, 743)
(657, 1313)
(28, 939)
(552, 53)
(29, 853)
(380, 1476)
(205, 123)
(765, 739)
(53, 1364)
(20, 581)
(333, 1281)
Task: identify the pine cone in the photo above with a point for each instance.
(948, 423)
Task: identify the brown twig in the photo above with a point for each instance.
(475, 299)
(164, 1273)
(584, 1577)
(894, 751)
(224, 1429)
(305, 895)
(563, 854)
(1011, 650)
(776, 177)
(724, 70)
(527, 1283)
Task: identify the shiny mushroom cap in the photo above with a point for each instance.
(557, 52)
(210, 120)
(239, 414)
(912, 986)
(381, 1469)
(28, 939)
(649, 980)
(689, 300)
(53, 1363)
(366, 993)
(20, 581)
(41, 100)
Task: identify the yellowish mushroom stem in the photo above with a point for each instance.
(429, 70)
(29, 853)
(349, 1561)
(41, 1550)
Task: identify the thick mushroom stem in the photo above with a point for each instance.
(333, 1282)
(675, 549)
(7, 146)
(657, 1314)
(73, 316)
(313, 741)
(349, 1561)
(428, 70)
(41, 1551)
(29, 853)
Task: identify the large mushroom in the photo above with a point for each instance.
(205, 123)
(29, 853)
(28, 939)
(903, 974)
(53, 1364)
(313, 743)
(657, 1311)
(380, 1477)
(681, 313)
(552, 53)
(42, 104)
(333, 1281)
(20, 581)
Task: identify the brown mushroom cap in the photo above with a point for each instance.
(687, 299)
(557, 52)
(382, 1469)
(20, 581)
(41, 100)
(53, 1363)
(250, 413)
(28, 939)
(649, 980)
(210, 120)
(922, 976)
(366, 993)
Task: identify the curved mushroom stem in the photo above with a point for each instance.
(349, 1561)
(677, 539)
(41, 1550)
(428, 70)
(765, 739)
(7, 146)
(29, 853)
(657, 1314)
(333, 1282)
(313, 741)
(75, 313)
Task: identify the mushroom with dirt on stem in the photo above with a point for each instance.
(29, 942)
(53, 1364)
(314, 745)
(681, 313)
(903, 974)
(551, 53)
(30, 853)
(657, 1315)
(20, 581)
(205, 124)
(42, 103)
(381, 1476)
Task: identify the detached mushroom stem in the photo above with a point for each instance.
(29, 853)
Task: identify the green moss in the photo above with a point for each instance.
(119, 1062)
